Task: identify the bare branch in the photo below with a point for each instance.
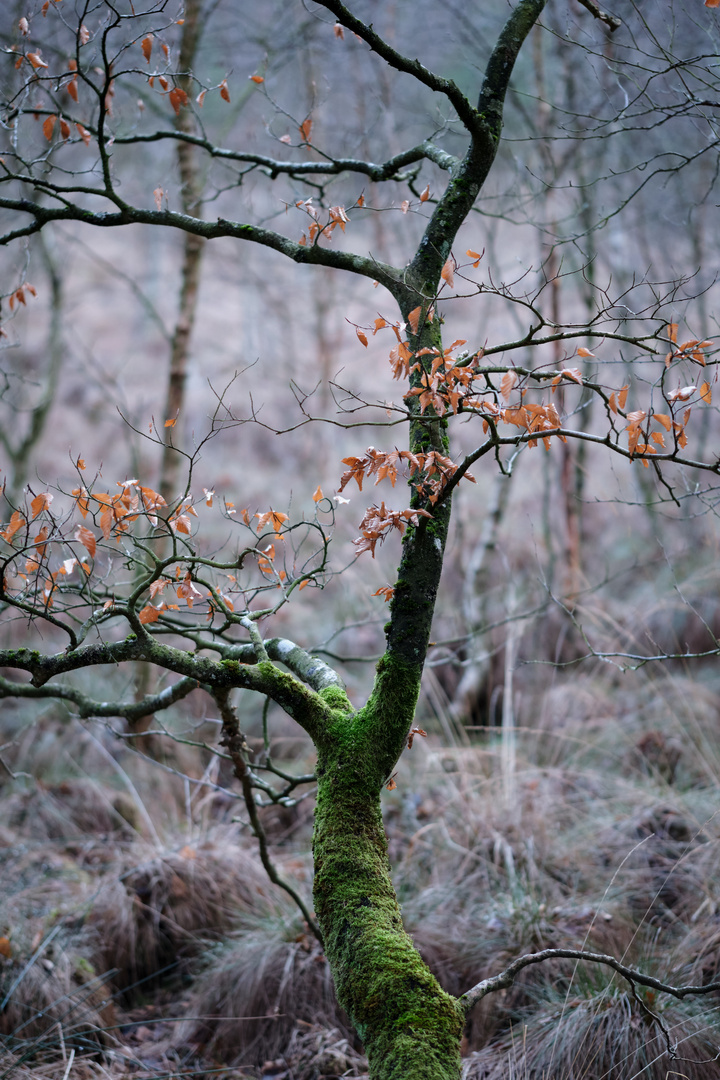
(507, 977)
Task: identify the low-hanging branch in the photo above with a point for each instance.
(507, 977)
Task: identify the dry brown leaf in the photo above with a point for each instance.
(448, 271)
(414, 318)
(36, 60)
(508, 383)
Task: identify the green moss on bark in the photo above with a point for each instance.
(411, 1028)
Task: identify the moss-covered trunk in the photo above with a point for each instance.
(410, 1027)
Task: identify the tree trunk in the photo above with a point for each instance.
(410, 1027)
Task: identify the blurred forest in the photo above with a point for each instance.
(567, 791)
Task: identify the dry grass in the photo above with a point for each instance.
(602, 1034)
(257, 987)
(158, 913)
(55, 1000)
(603, 835)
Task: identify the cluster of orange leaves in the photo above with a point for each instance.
(376, 522)
(18, 297)
(113, 515)
(337, 216)
(430, 471)
(36, 556)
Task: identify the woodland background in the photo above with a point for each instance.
(561, 797)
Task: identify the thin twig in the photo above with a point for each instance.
(507, 977)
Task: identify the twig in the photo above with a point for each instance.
(610, 20)
(234, 740)
(507, 977)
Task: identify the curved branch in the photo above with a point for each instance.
(89, 708)
(312, 254)
(330, 166)
(237, 748)
(502, 61)
(313, 671)
(468, 178)
(402, 63)
(507, 977)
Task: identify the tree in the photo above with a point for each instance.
(108, 573)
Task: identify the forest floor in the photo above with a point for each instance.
(140, 937)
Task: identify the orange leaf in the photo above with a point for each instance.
(712, 3)
(48, 127)
(274, 518)
(582, 351)
(16, 522)
(338, 30)
(83, 133)
(387, 591)
(362, 338)
(201, 98)
(663, 420)
(64, 128)
(305, 129)
(425, 195)
(158, 196)
(318, 495)
(612, 403)
(508, 384)
(5, 948)
(414, 319)
(146, 45)
(705, 391)
(87, 538)
(257, 79)
(391, 785)
(622, 396)
(477, 256)
(40, 502)
(24, 27)
(448, 271)
(83, 34)
(36, 60)
(178, 98)
(224, 92)
(405, 205)
(672, 330)
(149, 614)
